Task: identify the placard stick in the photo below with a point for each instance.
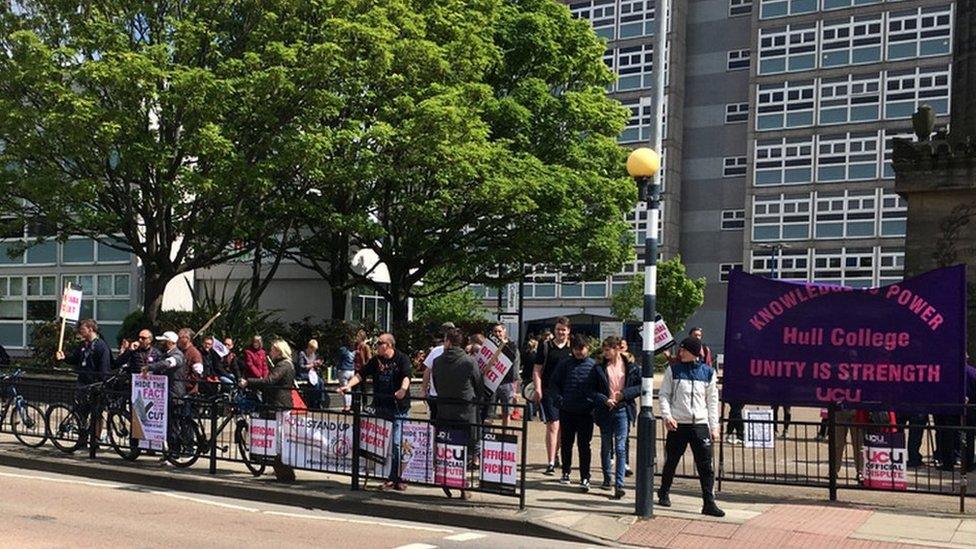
(209, 322)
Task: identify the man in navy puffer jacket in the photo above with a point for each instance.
(571, 388)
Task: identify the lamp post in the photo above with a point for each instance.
(643, 164)
(774, 250)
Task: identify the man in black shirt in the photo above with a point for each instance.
(549, 355)
(389, 371)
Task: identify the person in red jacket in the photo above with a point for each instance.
(255, 359)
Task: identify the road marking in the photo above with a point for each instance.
(205, 501)
(62, 480)
(466, 536)
(417, 546)
(360, 521)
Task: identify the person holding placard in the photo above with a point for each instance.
(507, 389)
(92, 360)
(689, 407)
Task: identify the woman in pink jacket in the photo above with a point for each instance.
(255, 359)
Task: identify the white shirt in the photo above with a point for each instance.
(429, 363)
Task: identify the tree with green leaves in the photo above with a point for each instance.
(171, 129)
(459, 306)
(500, 149)
(678, 295)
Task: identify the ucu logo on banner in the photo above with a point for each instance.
(838, 395)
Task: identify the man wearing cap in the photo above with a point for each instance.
(173, 366)
(689, 407)
(430, 391)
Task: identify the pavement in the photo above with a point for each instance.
(757, 516)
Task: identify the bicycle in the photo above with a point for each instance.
(68, 424)
(237, 408)
(25, 419)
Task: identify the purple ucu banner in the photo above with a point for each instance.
(810, 344)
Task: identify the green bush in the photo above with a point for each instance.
(44, 343)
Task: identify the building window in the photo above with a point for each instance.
(788, 49)
(540, 285)
(738, 60)
(841, 4)
(600, 14)
(889, 136)
(894, 213)
(845, 214)
(891, 265)
(784, 161)
(847, 157)
(851, 98)
(740, 7)
(12, 312)
(637, 218)
(851, 41)
(636, 18)
(367, 305)
(106, 299)
(769, 9)
(736, 112)
(785, 105)
(846, 266)
(905, 91)
(639, 125)
(725, 268)
(733, 220)
(922, 32)
(781, 217)
(634, 67)
(791, 264)
(734, 166)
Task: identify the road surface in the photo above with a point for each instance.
(51, 510)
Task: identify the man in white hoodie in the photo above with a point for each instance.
(689, 406)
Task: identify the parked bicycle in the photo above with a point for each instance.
(26, 420)
(236, 408)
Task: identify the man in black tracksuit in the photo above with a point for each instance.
(570, 390)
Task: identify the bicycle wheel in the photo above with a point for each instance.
(27, 424)
(188, 444)
(64, 428)
(120, 436)
(242, 436)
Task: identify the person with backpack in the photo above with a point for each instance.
(571, 393)
(551, 353)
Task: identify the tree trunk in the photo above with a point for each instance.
(153, 287)
(398, 310)
(338, 303)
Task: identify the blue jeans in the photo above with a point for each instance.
(395, 445)
(614, 431)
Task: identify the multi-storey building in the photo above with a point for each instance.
(780, 118)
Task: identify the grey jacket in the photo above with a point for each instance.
(173, 366)
(457, 378)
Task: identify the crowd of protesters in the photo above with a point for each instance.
(570, 386)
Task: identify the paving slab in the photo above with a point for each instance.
(901, 527)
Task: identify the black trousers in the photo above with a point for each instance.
(700, 439)
(579, 427)
(736, 425)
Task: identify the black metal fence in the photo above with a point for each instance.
(819, 454)
(364, 443)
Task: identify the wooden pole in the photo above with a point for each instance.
(209, 322)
